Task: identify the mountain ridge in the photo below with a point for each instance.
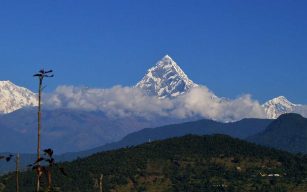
(287, 132)
(13, 97)
(165, 79)
(247, 129)
(278, 106)
(240, 129)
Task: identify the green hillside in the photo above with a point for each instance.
(189, 163)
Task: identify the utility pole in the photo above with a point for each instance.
(17, 172)
(41, 74)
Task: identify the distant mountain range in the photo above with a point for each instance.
(241, 129)
(164, 80)
(71, 122)
(288, 132)
(73, 129)
(67, 130)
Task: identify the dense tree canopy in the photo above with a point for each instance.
(189, 163)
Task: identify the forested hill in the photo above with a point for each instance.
(288, 132)
(189, 163)
(239, 129)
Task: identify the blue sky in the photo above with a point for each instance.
(232, 47)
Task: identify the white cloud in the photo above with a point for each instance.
(116, 101)
(201, 101)
(126, 101)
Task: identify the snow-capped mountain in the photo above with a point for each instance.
(75, 119)
(278, 106)
(166, 79)
(13, 97)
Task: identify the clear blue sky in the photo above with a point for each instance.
(233, 47)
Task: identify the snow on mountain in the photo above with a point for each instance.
(278, 106)
(13, 97)
(166, 79)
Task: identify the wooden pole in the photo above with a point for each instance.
(100, 182)
(17, 172)
(49, 179)
(39, 129)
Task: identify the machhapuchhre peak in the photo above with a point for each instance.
(83, 132)
(164, 80)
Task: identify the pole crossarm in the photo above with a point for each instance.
(42, 73)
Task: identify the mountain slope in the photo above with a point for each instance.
(67, 130)
(73, 130)
(165, 79)
(13, 97)
(240, 129)
(278, 106)
(288, 132)
(190, 163)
